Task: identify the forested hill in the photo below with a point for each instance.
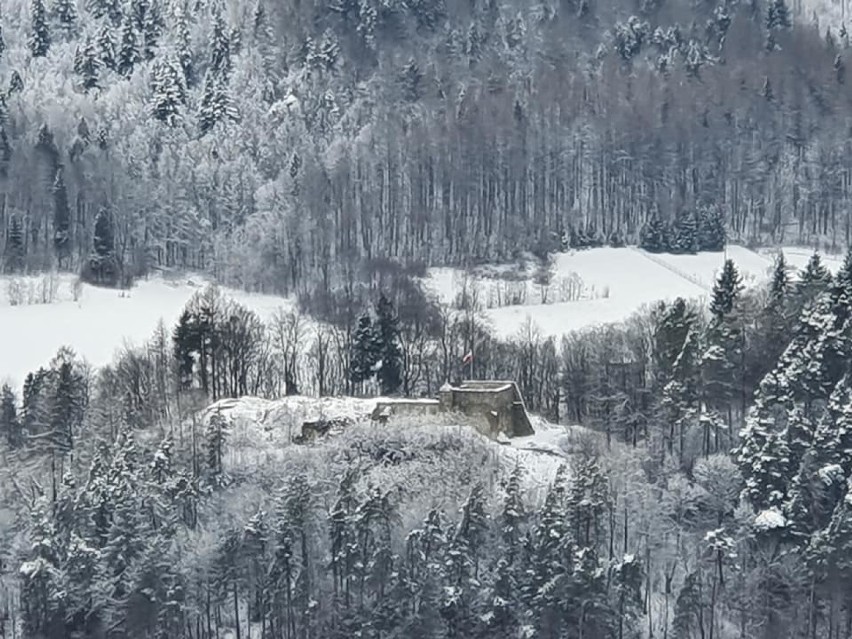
(269, 143)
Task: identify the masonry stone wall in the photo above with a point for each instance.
(495, 408)
(384, 410)
(499, 402)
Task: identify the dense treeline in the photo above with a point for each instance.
(280, 145)
(130, 519)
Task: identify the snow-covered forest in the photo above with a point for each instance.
(704, 494)
(287, 145)
(338, 152)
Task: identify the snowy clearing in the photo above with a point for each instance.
(52, 311)
(39, 314)
(607, 285)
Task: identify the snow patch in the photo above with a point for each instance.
(96, 322)
(831, 474)
(770, 519)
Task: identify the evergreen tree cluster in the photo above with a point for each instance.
(376, 351)
(688, 234)
(119, 547)
(51, 411)
(155, 522)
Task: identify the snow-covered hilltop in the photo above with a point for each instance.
(260, 429)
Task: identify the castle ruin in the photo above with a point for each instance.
(496, 408)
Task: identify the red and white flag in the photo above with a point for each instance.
(467, 359)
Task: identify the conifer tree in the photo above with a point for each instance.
(40, 578)
(5, 148)
(88, 65)
(128, 52)
(550, 541)
(102, 263)
(774, 324)
(513, 515)
(16, 83)
(587, 501)
(14, 256)
(689, 611)
(343, 537)
(66, 15)
(183, 48)
(67, 402)
(138, 14)
(152, 29)
(501, 613)
(34, 402)
(844, 274)
(220, 45)
(829, 549)
(389, 350)
(672, 325)
(39, 38)
(776, 312)
(722, 364)
(186, 342)
(106, 48)
(61, 219)
(216, 105)
(685, 239)
(411, 80)
(169, 91)
(10, 424)
(472, 528)
(790, 402)
(680, 395)
(654, 236)
(727, 288)
(813, 281)
(712, 235)
(778, 16)
(215, 437)
(107, 9)
(364, 355)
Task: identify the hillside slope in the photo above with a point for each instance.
(285, 145)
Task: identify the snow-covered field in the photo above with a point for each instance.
(618, 282)
(95, 322)
(607, 284)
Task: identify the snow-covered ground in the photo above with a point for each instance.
(614, 283)
(95, 322)
(260, 429)
(40, 314)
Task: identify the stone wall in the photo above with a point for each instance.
(415, 407)
(499, 402)
(495, 408)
